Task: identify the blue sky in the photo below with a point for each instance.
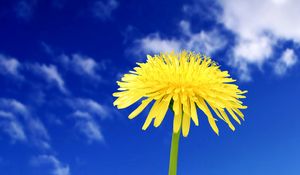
(60, 59)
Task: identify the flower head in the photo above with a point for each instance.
(184, 81)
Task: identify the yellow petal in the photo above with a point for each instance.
(127, 101)
(151, 115)
(139, 109)
(224, 115)
(239, 113)
(194, 112)
(163, 110)
(185, 124)
(177, 116)
(202, 105)
(233, 115)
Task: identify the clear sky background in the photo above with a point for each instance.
(60, 59)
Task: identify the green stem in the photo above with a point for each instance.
(174, 153)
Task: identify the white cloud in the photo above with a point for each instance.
(86, 114)
(206, 42)
(82, 115)
(286, 61)
(91, 106)
(154, 43)
(58, 168)
(14, 106)
(14, 129)
(38, 133)
(103, 10)
(90, 129)
(6, 115)
(253, 18)
(10, 66)
(9, 123)
(258, 26)
(253, 50)
(17, 122)
(82, 65)
(51, 74)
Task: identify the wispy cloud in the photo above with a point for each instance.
(91, 106)
(87, 113)
(90, 129)
(57, 167)
(51, 74)
(103, 9)
(9, 123)
(206, 42)
(13, 129)
(10, 66)
(16, 121)
(24, 9)
(39, 133)
(6, 115)
(83, 65)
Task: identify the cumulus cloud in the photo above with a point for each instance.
(82, 65)
(279, 17)
(57, 167)
(10, 66)
(287, 60)
(51, 74)
(258, 26)
(103, 9)
(207, 42)
(154, 43)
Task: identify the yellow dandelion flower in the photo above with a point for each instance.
(184, 81)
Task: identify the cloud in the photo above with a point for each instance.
(258, 26)
(51, 74)
(82, 115)
(9, 66)
(14, 129)
(86, 114)
(39, 133)
(57, 168)
(14, 106)
(90, 129)
(82, 65)
(9, 123)
(278, 17)
(24, 9)
(103, 10)
(287, 60)
(91, 106)
(17, 122)
(6, 115)
(207, 42)
(154, 43)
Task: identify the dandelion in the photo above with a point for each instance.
(183, 82)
